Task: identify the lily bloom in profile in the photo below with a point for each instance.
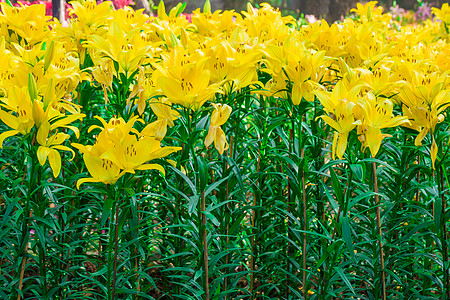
(219, 116)
(120, 149)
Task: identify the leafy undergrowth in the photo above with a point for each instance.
(229, 156)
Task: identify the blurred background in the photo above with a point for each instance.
(307, 10)
(331, 10)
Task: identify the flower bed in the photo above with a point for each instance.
(227, 156)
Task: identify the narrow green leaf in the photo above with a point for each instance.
(186, 179)
(107, 206)
(211, 217)
(358, 171)
(347, 235)
(202, 172)
(212, 186)
(438, 212)
(345, 279)
(12, 203)
(193, 201)
(337, 187)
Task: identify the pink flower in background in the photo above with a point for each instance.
(423, 12)
(396, 11)
(311, 18)
(188, 17)
(118, 4)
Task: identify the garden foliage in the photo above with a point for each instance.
(229, 156)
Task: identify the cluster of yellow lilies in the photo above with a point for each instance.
(359, 70)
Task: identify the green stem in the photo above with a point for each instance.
(289, 248)
(305, 227)
(444, 246)
(380, 240)
(110, 243)
(205, 245)
(116, 237)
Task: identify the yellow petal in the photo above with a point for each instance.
(420, 137)
(7, 134)
(54, 158)
(81, 148)
(374, 137)
(333, 147)
(220, 141)
(342, 144)
(331, 122)
(152, 167)
(162, 152)
(9, 119)
(42, 154)
(433, 151)
(42, 133)
(210, 137)
(64, 148)
(296, 93)
(83, 180)
(103, 169)
(38, 113)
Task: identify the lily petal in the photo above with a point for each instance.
(7, 134)
(42, 154)
(54, 158)
(152, 167)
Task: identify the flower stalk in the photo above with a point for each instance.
(378, 217)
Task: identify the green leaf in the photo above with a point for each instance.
(11, 205)
(211, 217)
(107, 206)
(202, 172)
(181, 7)
(347, 235)
(438, 212)
(212, 186)
(337, 187)
(193, 201)
(186, 179)
(358, 171)
(345, 279)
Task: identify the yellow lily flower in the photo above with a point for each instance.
(219, 116)
(338, 103)
(373, 117)
(370, 12)
(443, 13)
(101, 170)
(166, 116)
(424, 102)
(302, 72)
(48, 146)
(119, 149)
(91, 14)
(230, 68)
(19, 103)
(27, 22)
(128, 49)
(132, 154)
(191, 89)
